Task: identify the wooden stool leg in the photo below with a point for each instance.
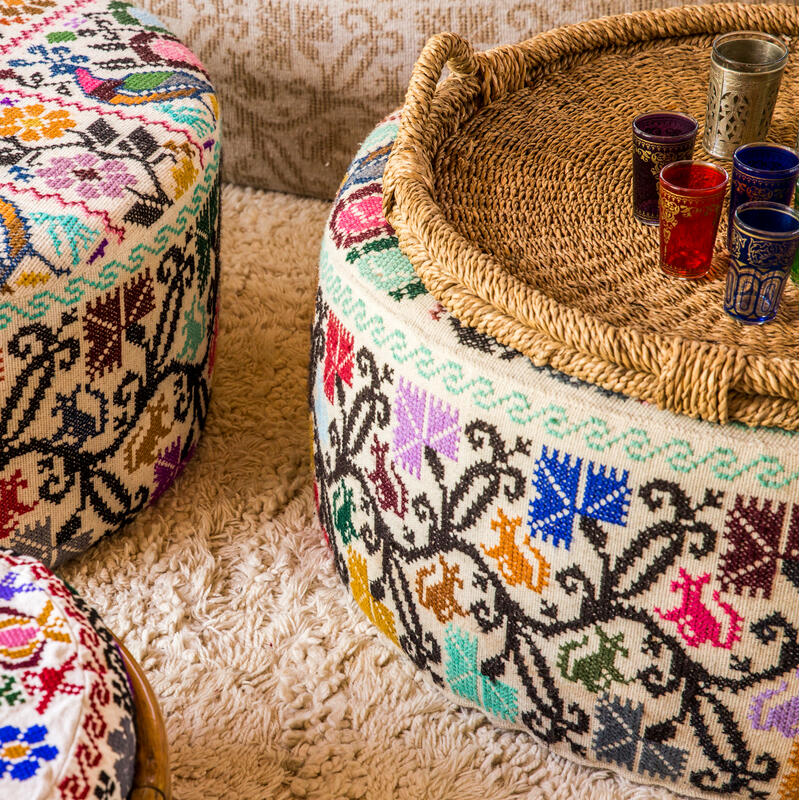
(151, 779)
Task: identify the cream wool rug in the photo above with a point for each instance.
(272, 683)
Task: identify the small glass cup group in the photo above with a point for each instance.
(685, 198)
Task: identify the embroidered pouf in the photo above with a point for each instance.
(109, 199)
(617, 579)
(66, 709)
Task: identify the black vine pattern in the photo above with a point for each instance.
(109, 214)
(610, 587)
(83, 486)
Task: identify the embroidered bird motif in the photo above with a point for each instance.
(137, 88)
(596, 670)
(440, 597)
(511, 561)
(696, 624)
(782, 717)
(389, 489)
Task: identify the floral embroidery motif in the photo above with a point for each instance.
(23, 636)
(469, 682)
(374, 610)
(422, 421)
(22, 752)
(338, 356)
(32, 123)
(88, 175)
(753, 532)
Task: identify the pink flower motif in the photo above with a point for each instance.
(91, 177)
(171, 50)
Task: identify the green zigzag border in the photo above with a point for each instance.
(75, 289)
(554, 419)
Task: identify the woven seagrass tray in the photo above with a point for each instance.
(509, 188)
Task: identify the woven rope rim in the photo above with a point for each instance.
(704, 380)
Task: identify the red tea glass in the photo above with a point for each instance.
(691, 195)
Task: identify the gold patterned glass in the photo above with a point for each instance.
(746, 71)
(763, 246)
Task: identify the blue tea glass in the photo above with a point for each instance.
(762, 171)
(763, 245)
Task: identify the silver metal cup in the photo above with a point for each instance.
(746, 70)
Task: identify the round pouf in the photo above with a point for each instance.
(109, 200)
(66, 709)
(619, 580)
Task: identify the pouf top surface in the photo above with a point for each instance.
(66, 724)
(106, 121)
(109, 200)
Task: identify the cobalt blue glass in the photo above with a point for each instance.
(762, 171)
(763, 245)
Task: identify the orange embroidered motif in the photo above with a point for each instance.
(184, 172)
(31, 123)
(440, 597)
(32, 278)
(788, 788)
(511, 561)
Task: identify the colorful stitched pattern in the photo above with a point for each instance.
(617, 580)
(66, 714)
(109, 214)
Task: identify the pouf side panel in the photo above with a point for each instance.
(108, 317)
(103, 753)
(130, 431)
(568, 561)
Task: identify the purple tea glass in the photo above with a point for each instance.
(659, 138)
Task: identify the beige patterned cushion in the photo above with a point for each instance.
(301, 82)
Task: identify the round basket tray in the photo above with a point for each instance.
(509, 189)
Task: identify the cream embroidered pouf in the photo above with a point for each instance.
(66, 709)
(619, 580)
(109, 200)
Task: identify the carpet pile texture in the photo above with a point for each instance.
(272, 683)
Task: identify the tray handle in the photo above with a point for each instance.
(697, 379)
(497, 71)
(440, 50)
(448, 49)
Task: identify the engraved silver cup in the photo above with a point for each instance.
(746, 70)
